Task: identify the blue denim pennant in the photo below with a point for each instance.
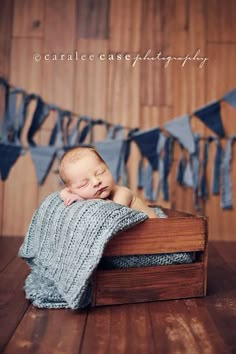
(8, 156)
(77, 136)
(122, 168)
(226, 193)
(42, 157)
(230, 97)
(180, 129)
(215, 184)
(112, 151)
(191, 172)
(210, 116)
(181, 168)
(40, 114)
(164, 164)
(59, 135)
(16, 116)
(180, 171)
(88, 129)
(10, 146)
(4, 119)
(203, 190)
(140, 176)
(148, 183)
(147, 143)
(188, 175)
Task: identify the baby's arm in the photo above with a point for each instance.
(68, 197)
(126, 197)
(138, 204)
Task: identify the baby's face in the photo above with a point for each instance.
(90, 178)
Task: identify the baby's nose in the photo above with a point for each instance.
(96, 182)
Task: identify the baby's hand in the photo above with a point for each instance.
(68, 197)
(71, 199)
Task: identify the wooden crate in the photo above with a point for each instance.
(180, 232)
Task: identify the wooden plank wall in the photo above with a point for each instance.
(145, 95)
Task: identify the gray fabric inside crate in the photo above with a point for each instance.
(145, 260)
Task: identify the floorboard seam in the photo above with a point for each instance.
(83, 333)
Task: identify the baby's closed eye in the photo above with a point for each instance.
(100, 172)
(83, 184)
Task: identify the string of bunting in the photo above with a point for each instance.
(155, 145)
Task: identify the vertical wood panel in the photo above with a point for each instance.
(123, 93)
(151, 43)
(91, 79)
(124, 25)
(154, 116)
(181, 74)
(58, 75)
(92, 18)
(5, 36)
(197, 77)
(221, 21)
(28, 18)
(175, 15)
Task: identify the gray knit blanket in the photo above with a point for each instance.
(64, 245)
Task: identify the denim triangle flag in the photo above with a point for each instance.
(180, 129)
(16, 115)
(226, 193)
(188, 176)
(215, 180)
(76, 137)
(40, 113)
(161, 143)
(147, 143)
(230, 97)
(210, 116)
(203, 188)
(9, 154)
(111, 152)
(181, 167)
(42, 157)
(165, 150)
(10, 147)
(4, 118)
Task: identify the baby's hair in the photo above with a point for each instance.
(73, 155)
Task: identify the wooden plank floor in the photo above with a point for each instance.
(203, 325)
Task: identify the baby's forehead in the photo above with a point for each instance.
(73, 156)
(88, 159)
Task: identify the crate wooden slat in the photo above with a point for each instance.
(180, 232)
(149, 284)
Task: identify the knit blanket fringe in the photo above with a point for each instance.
(64, 245)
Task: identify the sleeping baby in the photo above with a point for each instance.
(86, 176)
